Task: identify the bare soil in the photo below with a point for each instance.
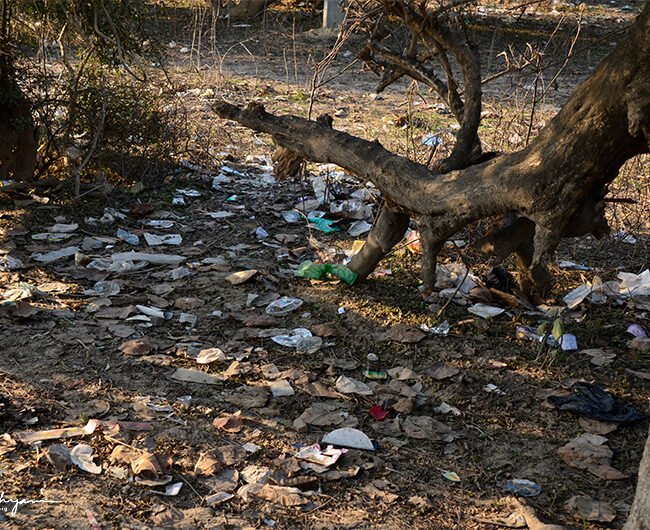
(62, 365)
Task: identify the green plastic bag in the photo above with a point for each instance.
(324, 225)
(319, 271)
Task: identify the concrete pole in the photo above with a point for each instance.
(332, 13)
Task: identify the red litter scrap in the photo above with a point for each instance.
(378, 413)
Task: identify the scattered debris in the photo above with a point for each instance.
(592, 401)
(586, 508)
(588, 451)
(522, 487)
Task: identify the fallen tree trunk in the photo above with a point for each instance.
(574, 158)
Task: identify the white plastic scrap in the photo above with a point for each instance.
(347, 385)
(60, 228)
(485, 310)
(9, 263)
(301, 339)
(283, 305)
(160, 223)
(55, 255)
(631, 286)
(359, 227)
(348, 437)
(570, 265)
(167, 239)
(155, 259)
(130, 238)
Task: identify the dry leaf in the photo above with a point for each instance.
(207, 465)
(229, 422)
(440, 371)
(240, 277)
(231, 455)
(58, 455)
(248, 397)
(278, 494)
(141, 346)
(588, 451)
(590, 509)
(404, 333)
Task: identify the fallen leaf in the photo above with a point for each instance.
(207, 465)
(187, 375)
(237, 278)
(441, 370)
(277, 494)
(231, 455)
(248, 397)
(597, 427)
(404, 333)
(591, 510)
(589, 452)
(58, 455)
(229, 422)
(141, 346)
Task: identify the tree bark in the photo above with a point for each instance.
(639, 517)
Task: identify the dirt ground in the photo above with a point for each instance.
(228, 441)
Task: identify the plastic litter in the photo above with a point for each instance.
(320, 271)
(187, 375)
(55, 255)
(378, 413)
(491, 388)
(9, 263)
(188, 192)
(82, 457)
(61, 228)
(160, 223)
(322, 224)
(349, 437)
(107, 288)
(636, 330)
(570, 265)
(28, 437)
(373, 368)
(283, 305)
(485, 311)
(321, 457)
(155, 259)
(168, 239)
(301, 339)
(441, 329)
(128, 237)
(592, 401)
(432, 140)
(347, 385)
(359, 227)
(522, 487)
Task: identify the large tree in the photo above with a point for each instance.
(552, 188)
